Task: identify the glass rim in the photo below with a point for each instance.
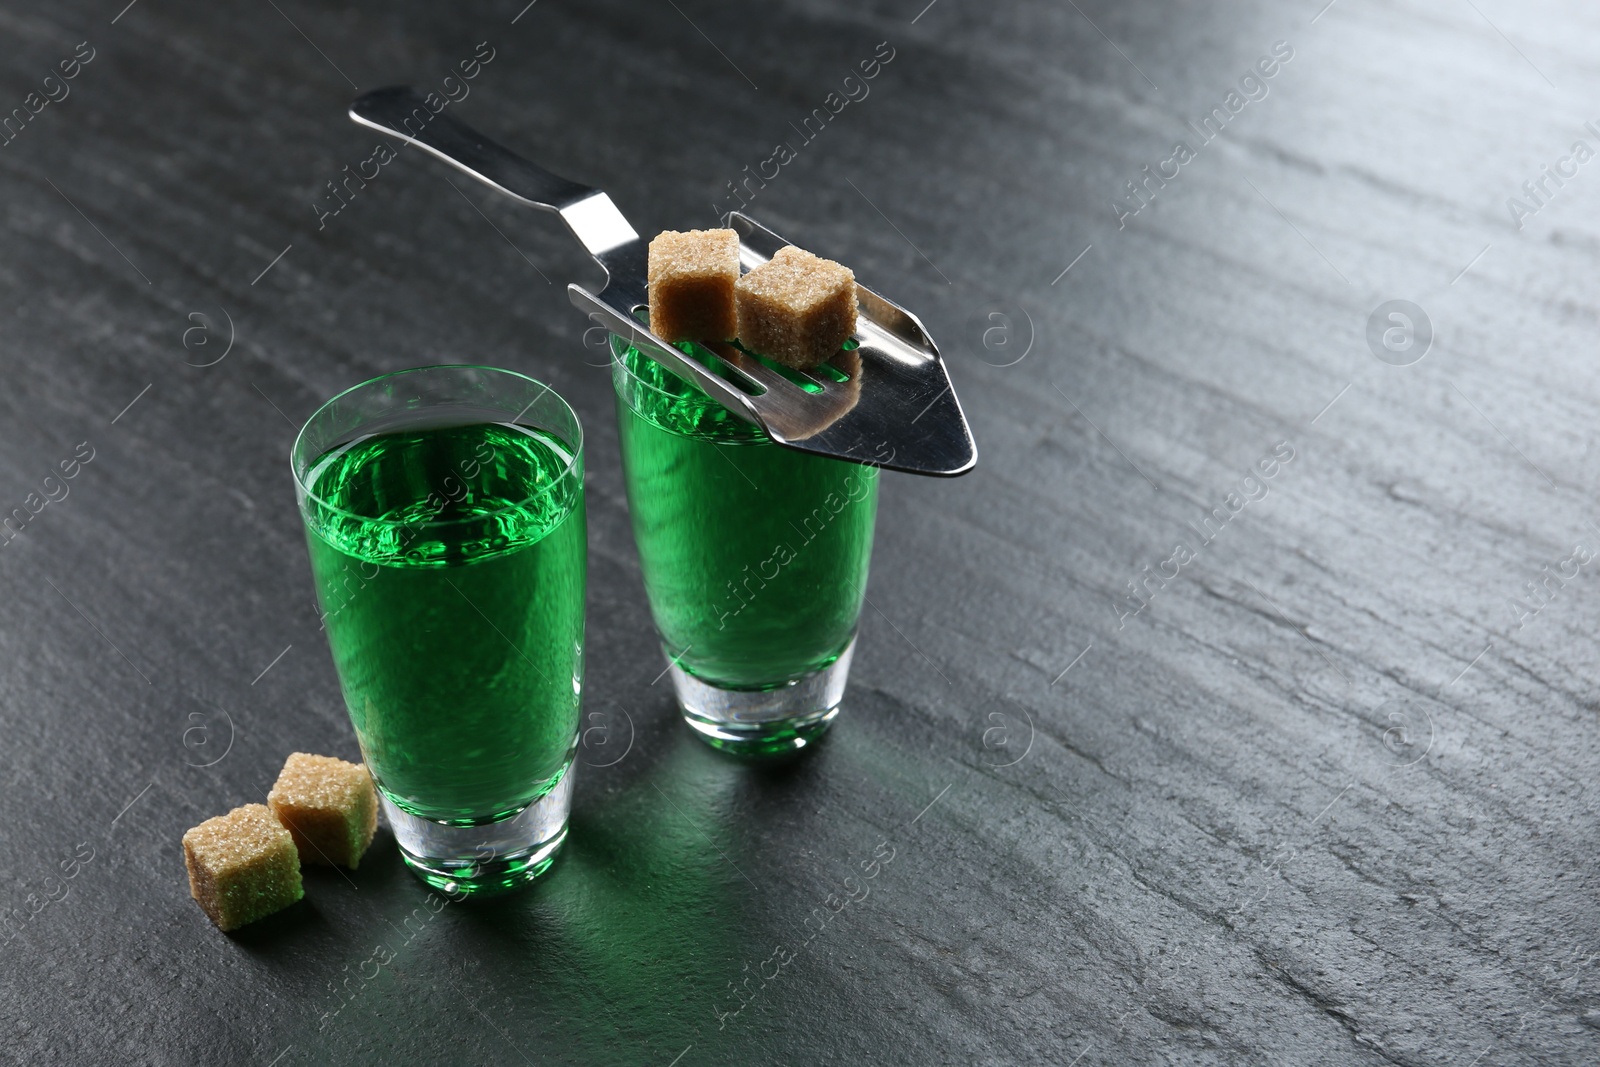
(617, 361)
(306, 492)
(750, 434)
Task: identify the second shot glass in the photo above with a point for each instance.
(755, 560)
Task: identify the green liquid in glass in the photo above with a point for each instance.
(755, 556)
(449, 562)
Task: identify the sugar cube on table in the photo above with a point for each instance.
(242, 866)
(796, 308)
(329, 806)
(690, 278)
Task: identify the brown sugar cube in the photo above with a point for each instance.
(329, 806)
(242, 866)
(796, 308)
(691, 276)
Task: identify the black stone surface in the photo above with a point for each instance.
(1328, 798)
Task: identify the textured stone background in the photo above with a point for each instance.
(1328, 798)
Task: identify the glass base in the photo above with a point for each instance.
(764, 722)
(487, 858)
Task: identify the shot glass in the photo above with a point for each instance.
(754, 556)
(444, 514)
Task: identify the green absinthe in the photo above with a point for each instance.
(449, 562)
(755, 556)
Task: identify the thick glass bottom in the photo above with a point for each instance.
(488, 858)
(764, 722)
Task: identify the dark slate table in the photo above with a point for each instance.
(1239, 708)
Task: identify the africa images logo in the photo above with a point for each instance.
(1399, 332)
(1138, 192)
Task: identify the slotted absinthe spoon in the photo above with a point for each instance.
(887, 401)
